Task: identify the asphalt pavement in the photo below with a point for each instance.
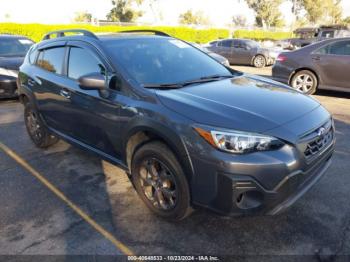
(35, 220)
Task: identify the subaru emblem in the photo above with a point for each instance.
(321, 132)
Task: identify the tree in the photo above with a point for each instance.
(122, 11)
(323, 11)
(346, 20)
(83, 17)
(239, 20)
(267, 12)
(297, 7)
(190, 18)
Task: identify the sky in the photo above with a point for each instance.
(219, 12)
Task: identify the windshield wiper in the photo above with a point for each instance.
(204, 79)
(163, 86)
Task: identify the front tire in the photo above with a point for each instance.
(160, 181)
(304, 81)
(36, 129)
(259, 61)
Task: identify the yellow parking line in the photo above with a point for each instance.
(119, 245)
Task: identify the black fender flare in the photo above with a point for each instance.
(170, 137)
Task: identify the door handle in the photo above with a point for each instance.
(316, 58)
(65, 93)
(33, 81)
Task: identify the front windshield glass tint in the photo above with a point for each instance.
(163, 60)
(14, 47)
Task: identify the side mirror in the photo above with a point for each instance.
(93, 81)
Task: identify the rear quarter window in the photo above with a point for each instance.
(32, 55)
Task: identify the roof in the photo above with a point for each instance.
(305, 30)
(123, 36)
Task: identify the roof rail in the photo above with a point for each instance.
(61, 33)
(156, 32)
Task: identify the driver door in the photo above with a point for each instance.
(91, 115)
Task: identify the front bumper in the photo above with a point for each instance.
(268, 187)
(8, 87)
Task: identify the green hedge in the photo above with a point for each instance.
(261, 35)
(37, 31)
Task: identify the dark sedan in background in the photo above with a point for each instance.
(12, 52)
(243, 52)
(217, 57)
(323, 65)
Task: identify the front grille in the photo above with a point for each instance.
(322, 138)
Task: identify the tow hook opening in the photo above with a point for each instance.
(249, 199)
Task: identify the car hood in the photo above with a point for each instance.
(12, 63)
(246, 103)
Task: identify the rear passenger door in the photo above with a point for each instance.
(225, 49)
(47, 81)
(333, 62)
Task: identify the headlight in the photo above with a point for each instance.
(8, 72)
(238, 142)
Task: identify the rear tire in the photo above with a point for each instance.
(160, 181)
(36, 129)
(304, 81)
(259, 61)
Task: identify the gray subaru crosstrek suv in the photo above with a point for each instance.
(187, 130)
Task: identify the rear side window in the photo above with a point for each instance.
(51, 59)
(225, 43)
(339, 48)
(82, 62)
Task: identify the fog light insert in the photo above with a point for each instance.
(249, 199)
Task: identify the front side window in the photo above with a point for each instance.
(51, 59)
(162, 60)
(83, 62)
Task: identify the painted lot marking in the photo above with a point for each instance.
(118, 244)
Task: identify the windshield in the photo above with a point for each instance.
(163, 60)
(14, 46)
